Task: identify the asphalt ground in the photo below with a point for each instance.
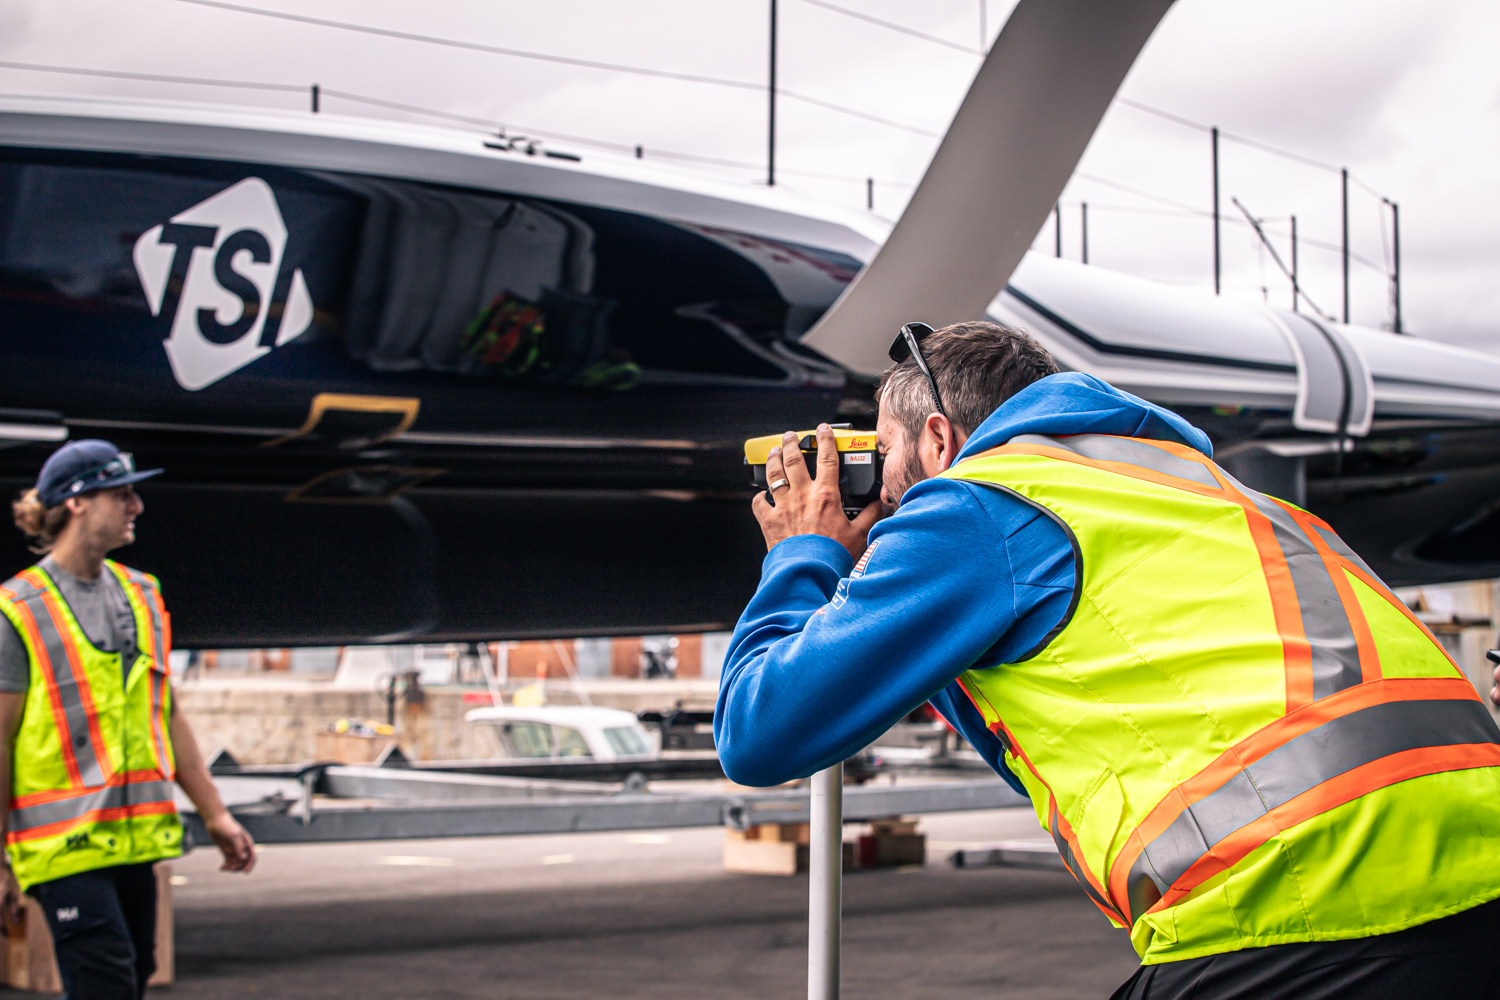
(643, 915)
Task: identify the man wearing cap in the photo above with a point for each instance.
(90, 736)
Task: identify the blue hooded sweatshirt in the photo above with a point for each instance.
(828, 655)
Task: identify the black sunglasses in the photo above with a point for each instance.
(122, 464)
(908, 344)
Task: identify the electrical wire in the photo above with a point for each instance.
(153, 77)
(548, 57)
(489, 124)
(455, 43)
(893, 27)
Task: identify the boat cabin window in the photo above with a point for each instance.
(525, 739)
(627, 741)
(570, 743)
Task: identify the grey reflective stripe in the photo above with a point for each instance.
(1336, 747)
(79, 806)
(1339, 546)
(1065, 851)
(1105, 448)
(68, 693)
(1325, 622)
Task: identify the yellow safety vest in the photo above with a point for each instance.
(92, 765)
(1238, 736)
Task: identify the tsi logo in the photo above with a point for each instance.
(224, 254)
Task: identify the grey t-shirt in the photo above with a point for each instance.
(103, 612)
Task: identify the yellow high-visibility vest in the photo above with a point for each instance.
(92, 765)
(1238, 736)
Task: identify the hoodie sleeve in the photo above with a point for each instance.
(830, 654)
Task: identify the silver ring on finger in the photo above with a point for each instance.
(777, 485)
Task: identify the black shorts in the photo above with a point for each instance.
(1455, 958)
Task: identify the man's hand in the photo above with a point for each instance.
(807, 506)
(233, 842)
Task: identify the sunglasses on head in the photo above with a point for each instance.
(122, 464)
(908, 344)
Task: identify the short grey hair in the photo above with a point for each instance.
(978, 366)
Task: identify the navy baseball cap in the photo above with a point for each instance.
(80, 467)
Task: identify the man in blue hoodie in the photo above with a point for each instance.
(967, 596)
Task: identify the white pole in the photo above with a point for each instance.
(825, 884)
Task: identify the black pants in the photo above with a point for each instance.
(104, 930)
(1455, 958)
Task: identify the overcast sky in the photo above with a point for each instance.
(1407, 96)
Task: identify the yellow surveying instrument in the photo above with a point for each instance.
(859, 464)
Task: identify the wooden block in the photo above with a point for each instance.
(30, 964)
(764, 857)
(889, 826)
(892, 850)
(350, 749)
(773, 857)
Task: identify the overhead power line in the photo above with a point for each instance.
(154, 77)
(893, 27)
(456, 43)
(489, 124)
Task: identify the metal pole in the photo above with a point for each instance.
(1294, 264)
(1396, 277)
(771, 93)
(1346, 243)
(1057, 226)
(1085, 207)
(825, 883)
(315, 98)
(870, 193)
(1216, 207)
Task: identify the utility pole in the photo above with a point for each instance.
(1057, 226)
(1345, 174)
(870, 193)
(1294, 264)
(771, 139)
(315, 98)
(1396, 276)
(1216, 208)
(1085, 207)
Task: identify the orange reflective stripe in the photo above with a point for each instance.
(1369, 656)
(1380, 588)
(1270, 777)
(1120, 468)
(85, 690)
(157, 808)
(54, 695)
(1286, 609)
(154, 647)
(1331, 794)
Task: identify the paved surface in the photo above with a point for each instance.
(628, 915)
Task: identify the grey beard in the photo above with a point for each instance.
(911, 474)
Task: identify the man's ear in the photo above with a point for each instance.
(939, 444)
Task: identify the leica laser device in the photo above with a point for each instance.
(859, 463)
